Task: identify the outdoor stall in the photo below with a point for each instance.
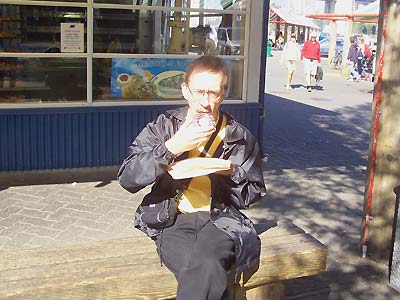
(80, 78)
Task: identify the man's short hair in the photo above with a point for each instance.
(212, 64)
(352, 39)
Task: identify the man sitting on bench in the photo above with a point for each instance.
(210, 164)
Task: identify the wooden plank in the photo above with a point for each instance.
(307, 261)
(280, 229)
(102, 249)
(130, 268)
(272, 291)
(75, 252)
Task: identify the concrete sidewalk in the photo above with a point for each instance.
(316, 144)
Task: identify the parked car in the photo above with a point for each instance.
(325, 46)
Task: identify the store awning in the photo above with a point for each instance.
(280, 16)
(369, 12)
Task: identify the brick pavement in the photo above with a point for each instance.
(317, 154)
(68, 210)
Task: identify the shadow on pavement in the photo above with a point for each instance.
(315, 174)
(104, 175)
(302, 136)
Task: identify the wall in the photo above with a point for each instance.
(57, 138)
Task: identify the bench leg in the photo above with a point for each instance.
(272, 291)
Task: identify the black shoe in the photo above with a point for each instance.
(308, 88)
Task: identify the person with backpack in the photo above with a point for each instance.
(363, 55)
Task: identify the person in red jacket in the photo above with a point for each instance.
(311, 56)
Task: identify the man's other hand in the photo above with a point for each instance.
(189, 135)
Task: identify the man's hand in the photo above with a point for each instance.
(189, 135)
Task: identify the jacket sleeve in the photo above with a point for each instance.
(246, 185)
(148, 157)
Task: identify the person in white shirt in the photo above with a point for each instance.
(291, 53)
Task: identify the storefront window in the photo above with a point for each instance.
(30, 28)
(167, 32)
(45, 51)
(41, 80)
(194, 4)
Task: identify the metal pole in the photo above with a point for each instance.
(263, 65)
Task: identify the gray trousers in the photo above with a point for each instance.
(200, 256)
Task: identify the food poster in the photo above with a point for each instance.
(149, 78)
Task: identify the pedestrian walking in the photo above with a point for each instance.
(364, 56)
(291, 53)
(352, 59)
(311, 56)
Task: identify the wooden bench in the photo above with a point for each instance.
(130, 268)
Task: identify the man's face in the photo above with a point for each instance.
(203, 92)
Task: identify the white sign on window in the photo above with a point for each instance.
(72, 37)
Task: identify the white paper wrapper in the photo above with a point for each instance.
(198, 166)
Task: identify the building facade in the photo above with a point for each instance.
(80, 78)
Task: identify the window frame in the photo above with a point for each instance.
(90, 5)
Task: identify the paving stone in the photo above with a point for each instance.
(11, 220)
(73, 233)
(80, 207)
(47, 192)
(38, 221)
(64, 223)
(5, 194)
(84, 215)
(43, 231)
(7, 202)
(19, 241)
(44, 242)
(90, 224)
(98, 234)
(33, 213)
(13, 230)
(104, 209)
(3, 241)
(59, 214)
(7, 212)
(54, 206)
(71, 194)
(29, 204)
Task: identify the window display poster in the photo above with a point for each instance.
(144, 78)
(72, 37)
(148, 78)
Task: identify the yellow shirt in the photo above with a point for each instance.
(197, 196)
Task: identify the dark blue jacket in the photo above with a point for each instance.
(148, 160)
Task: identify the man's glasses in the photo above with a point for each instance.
(211, 95)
